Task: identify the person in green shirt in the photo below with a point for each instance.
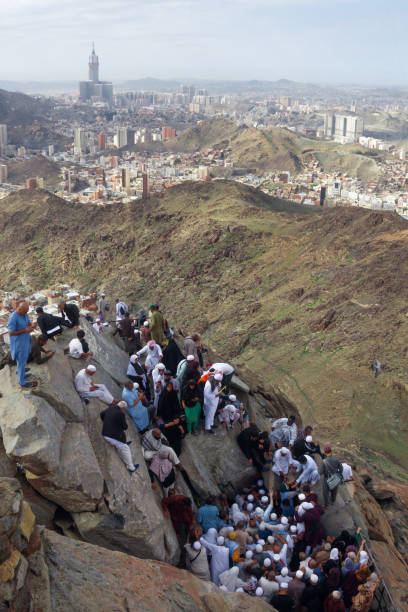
(156, 324)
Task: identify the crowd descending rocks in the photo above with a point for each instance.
(268, 541)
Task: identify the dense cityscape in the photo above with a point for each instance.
(108, 144)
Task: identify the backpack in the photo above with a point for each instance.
(122, 310)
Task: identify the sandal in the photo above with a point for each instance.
(33, 383)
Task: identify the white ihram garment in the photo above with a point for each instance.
(210, 404)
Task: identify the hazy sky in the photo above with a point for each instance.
(359, 41)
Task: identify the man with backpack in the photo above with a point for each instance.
(121, 309)
(331, 469)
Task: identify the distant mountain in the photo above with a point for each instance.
(39, 87)
(19, 109)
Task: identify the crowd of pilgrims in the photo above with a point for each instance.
(269, 541)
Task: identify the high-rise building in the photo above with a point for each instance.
(101, 141)
(94, 88)
(125, 178)
(120, 138)
(343, 128)
(80, 140)
(145, 182)
(93, 66)
(3, 136)
(3, 173)
(168, 132)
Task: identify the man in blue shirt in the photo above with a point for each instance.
(136, 405)
(208, 515)
(20, 328)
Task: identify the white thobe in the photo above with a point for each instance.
(119, 315)
(210, 404)
(153, 356)
(281, 463)
(75, 348)
(219, 559)
(157, 376)
(292, 429)
(83, 383)
(309, 471)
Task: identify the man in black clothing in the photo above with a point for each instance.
(69, 313)
(113, 430)
(305, 446)
(330, 466)
(248, 441)
(37, 347)
(49, 324)
(282, 601)
(313, 596)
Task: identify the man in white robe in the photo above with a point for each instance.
(87, 389)
(219, 558)
(211, 400)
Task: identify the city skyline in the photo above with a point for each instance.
(324, 41)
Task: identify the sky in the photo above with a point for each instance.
(321, 41)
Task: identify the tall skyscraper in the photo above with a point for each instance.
(3, 173)
(101, 141)
(94, 88)
(3, 136)
(93, 66)
(343, 128)
(146, 187)
(80, 140)
(125, 178)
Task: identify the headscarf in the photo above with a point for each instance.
(230, 579)
(169, 405)
(193, 370)
(334, 554)
(172, 356)
(363, 558)
(211, 535)
(363, 573)
(161, 465)
(373, 579)
(347, 567)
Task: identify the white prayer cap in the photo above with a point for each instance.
(135, 385)
(262, 526)
(232, 398)
(261, 542)
(301, 497)
(258, 512)
(293, 528)
(218, 377)
(336, 594)
(259, 548)
(274, 516)
(197, 546)
(90, 368)
(250, 507)
(271, 539)
(122, 404)
(258, 592)
(239, 590)
(190, 357)
(299, 575)
(137, 331)
(264, 499)
(284, 520)
(224, 588)
(267, 562)
(314, 578)
(276, 558)
(284, 585)
(161, 366)
(98, 319)
(262, 491)
(260, 482)
(309, 439)
(220, 540)
(250, 498)
(284, 450)
(133, 358)
(284, 571)
(103, 294)
(146, 323)
(230, 528)
(249, 554)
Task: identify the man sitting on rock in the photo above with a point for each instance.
(37, 348)
(70, 313)
(87, 389)
(113, 431)
(78, 347)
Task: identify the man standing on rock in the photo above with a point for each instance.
(113, 431)
(20, 328)
(332, 471)
(87, 389)
(211, 400)
(156, 324)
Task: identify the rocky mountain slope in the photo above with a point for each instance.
(19, 109)
(302, 300)
(20, 171)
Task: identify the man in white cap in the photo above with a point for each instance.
(182, 368)
(197, 560)
(282, 460)
(284, 430)
(153, 354)
(152, 441)
(211, 400)
(313, 594)
(113, 431)
(229, 415)
(308, 470)
(158, 383)
(219, 558)
(87, 389)
(296, 588)
(268, 583)
(227, 372)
